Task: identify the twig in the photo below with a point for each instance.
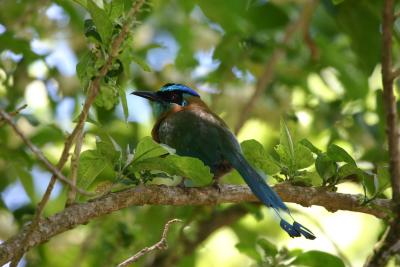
(389, 244)
(77, 214)
(205, 228)
(39, 154)
(92, 93)
(13, 113)
(314, 51)
(160, 245)
(268, 74)
(74, 168)
(18, 110)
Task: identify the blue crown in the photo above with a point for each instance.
(178, 87)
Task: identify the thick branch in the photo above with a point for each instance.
(78, 214)
(389, 245)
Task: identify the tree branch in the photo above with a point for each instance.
(39, 154)
(13, 113)
(160, 245)
(268, 73)
(390, 100)
(389, 244)
(78, 214)
(308, 40)
(74, 168)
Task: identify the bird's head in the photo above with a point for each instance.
(171, 95)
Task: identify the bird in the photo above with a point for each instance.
(185, 123)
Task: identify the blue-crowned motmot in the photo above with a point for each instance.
(186, 124)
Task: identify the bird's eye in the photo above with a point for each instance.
(176, 98)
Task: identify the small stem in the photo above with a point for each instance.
(74, 168)
(160, 245)
(39, 154)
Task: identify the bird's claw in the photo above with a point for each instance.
(217, 186)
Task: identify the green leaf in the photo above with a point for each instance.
(325, 166)
(286, 139)
(303, 157)
(91, 31)
(284, 156)
(107, 97)
(191, 168)
(48, 134)
(10, 41)
(310, 146)
(147, 157)
(249, 250)
(27, 181)
(107, 148)
(91, 164)
(370, 183)
(256, 154)
(148, 148)
(100, 18)
(312, 178)
(81, 2)
(141, 62)
(244, 16)
(315, 258)
(232, 177)
(85, 68)
(122, 96)
(33, 120)
(383, 178)
(362, 27)
(349, 169)
(338, 154)
(116, 9)
(90, 119)
(268, 247)
(336, 2)
(115, 70)
(2, 204)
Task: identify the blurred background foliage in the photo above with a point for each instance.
(325, 83)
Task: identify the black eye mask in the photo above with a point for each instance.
(172, 97)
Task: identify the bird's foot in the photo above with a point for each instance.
(216, 185)
(182, 186)
(181, 183)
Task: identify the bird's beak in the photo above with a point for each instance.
(153, 96)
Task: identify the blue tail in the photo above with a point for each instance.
(267, 196)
